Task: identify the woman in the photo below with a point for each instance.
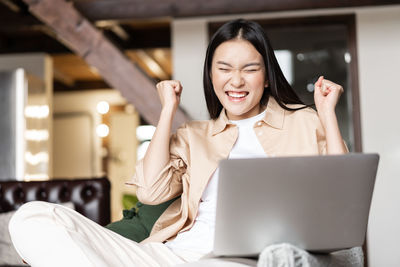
(254, 113)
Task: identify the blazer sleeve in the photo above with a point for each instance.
(168, 183)
(321, 139)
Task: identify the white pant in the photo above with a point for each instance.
(46, 234)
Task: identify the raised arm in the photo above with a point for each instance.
(158, 155)
(326, 96)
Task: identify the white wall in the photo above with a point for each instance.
(378, 40)
(189, 44)
(39, 65)
(378, 33)
(86, 101)
(74, 146)
(78, 147)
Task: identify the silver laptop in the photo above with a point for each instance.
(318, 203)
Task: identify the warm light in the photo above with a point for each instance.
(36, 176)
(41, 157)
(152, 64)
(94, 70)
(39, 112)
(102, 130)
(21, 92)
(130, 109)
(37, 135)
(103, 107)
(159, 54)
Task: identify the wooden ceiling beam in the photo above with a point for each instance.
(23, 39)
(13, 6)
(156, 37)
(60, 76)
(89, 43)
(79, 85)
(29, 43)
(144, 9)
(152, 65)
(15, 20)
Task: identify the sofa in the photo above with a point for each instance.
(89, 196)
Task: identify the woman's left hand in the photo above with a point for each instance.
(326, 96)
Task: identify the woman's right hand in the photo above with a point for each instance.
(158, 154)
(170, 93)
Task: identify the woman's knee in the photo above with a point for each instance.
(34, 211)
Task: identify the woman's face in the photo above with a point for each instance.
(238, 77)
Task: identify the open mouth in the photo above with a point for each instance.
(236, 96)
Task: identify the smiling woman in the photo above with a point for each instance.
(238, 76)
(254, 113)
(245, 56)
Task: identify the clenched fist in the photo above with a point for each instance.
(326, 96)
(170, 93)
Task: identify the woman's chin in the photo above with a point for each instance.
(236, 115)
(243, 112)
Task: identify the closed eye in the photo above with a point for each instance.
(251, 70)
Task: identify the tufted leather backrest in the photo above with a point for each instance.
(91, 197)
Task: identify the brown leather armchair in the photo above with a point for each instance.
(91, 197)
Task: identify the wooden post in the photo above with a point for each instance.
(82, 37)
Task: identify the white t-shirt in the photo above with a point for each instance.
(200, 238)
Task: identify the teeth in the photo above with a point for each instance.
(238, 95)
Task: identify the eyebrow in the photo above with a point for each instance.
(245, 66)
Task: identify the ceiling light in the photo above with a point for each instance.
(103, 107)
(102, 130)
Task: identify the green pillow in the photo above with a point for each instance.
(137, 222)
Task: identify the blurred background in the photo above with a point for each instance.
(77, 84)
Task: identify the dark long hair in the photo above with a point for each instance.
(278, 86)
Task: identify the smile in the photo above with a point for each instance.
(236, 96)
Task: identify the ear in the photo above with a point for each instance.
(266, 83)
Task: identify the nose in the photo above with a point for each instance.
(237, 79)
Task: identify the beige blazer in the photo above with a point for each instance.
(198, 146)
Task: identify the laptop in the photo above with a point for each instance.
(317, 203)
